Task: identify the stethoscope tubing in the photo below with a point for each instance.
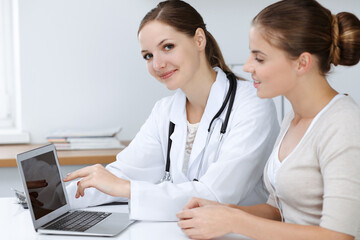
(230, 97)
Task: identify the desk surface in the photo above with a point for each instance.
(16, 224)
(66, 157)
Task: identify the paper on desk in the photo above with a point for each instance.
(67, 133)
(93, 139)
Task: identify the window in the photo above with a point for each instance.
(6, 80)
(10, 129)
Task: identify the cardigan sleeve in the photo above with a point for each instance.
(339, 154)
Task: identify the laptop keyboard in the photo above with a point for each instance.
(78, 221)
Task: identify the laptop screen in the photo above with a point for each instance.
(43, 183)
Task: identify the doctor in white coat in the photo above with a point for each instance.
(182, 54)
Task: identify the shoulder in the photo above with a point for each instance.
(342, 121)
(343, 113)
(337, 131)
(346, 105)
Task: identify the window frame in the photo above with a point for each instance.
(6, 80)
(10, 121)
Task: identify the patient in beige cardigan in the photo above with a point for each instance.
(313, 173)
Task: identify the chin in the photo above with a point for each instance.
(171, 87)
(263, 95)
(259, 94)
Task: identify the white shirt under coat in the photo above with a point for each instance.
(236, 175)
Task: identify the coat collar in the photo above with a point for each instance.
(216, 97)
(178, 116)
(215, 100)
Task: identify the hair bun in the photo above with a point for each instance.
(348, 40)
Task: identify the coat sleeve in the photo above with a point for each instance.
(141, 160)
(236, 177)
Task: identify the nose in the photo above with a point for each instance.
(248, 67)
(158, 63)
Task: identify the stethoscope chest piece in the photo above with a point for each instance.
(166, 177)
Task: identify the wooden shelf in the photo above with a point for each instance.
(66, 157)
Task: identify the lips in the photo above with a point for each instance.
(167, 75)
(256, 83)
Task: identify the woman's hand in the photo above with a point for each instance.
(199, 202)
(100, 178)
(206, 222)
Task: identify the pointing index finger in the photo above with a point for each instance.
(77, 174)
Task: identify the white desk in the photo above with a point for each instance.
(16, 224)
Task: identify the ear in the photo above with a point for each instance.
(200, 38)
(304, 63)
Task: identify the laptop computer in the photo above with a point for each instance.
(49, 206)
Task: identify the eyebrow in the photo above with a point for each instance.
(257, 51)
(161, 42)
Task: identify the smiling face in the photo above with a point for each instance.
(273, 72)
(171, 57)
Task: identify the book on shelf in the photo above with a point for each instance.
(79, 140)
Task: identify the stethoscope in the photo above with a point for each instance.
(230, 96)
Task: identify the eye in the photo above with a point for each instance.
(259, 60)
(168, 47)
(147, 56)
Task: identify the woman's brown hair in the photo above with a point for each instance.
(184, 18)
(298, 26)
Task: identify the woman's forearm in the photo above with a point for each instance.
(261, 210)
(265, 229)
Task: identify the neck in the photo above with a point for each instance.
(310, 96)
(197, 93)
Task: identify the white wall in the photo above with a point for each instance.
(81, 66)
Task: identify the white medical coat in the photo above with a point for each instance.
(234, 177)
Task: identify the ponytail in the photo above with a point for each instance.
(213, 53)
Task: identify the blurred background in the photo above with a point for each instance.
(78, 63)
